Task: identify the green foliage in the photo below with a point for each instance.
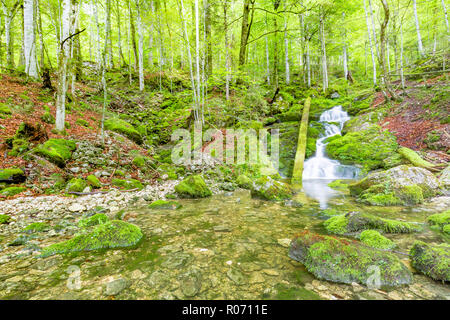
(76, 185)
(96, 219)
(4, 219)
(244, 182)
(93, 181)
(36, 227)
(374, 239)
(12, 191)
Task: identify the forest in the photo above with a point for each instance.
(224, 150)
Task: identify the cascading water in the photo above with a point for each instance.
(319, 170)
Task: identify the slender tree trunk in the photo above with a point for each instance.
(244, 32)
(227, 58)
(133, 35)
(419, 38)
(371, 47)
(40, 33)
(141, 46)
(119, 43)
(209, 55)
(109, 53)
(150, 38)
(324, 54)
(389, 94)
(267, 56)
(445, 16)
(375, 42)
(29, 38)
(286, 52)
(64, 53)
(197, 54)
(344, 49)
(401, 55)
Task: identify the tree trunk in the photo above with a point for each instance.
(119, 43)
(344, 49)
(209, 55)
(389, 94)
(141, 46)
(286, 52)
(445, 16)
(227, 58)
(324, 54)
(133, 35)
(244, 32)
(267, 56)
(197, 54)
(29, 39)
(419, 38)
(373, 29)
(108, 40)
(371, 47)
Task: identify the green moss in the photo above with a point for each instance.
(110, 235)
(294, 293)
(380, 199)
(344, 261)
(4, 109)
(411, 194)
(82, 123)
(433, 261)
(414, 158)
(4, 219)
(374, 239)
(139, 161)
(12, 175)
(19, 147)
(354, 222)
(93, 181)
(94, 220)
(244, 182)
(127, 184)
(36, 227)
(193, 187)
(12, 191)
(57, 151)
(338, 185)
(441, 220)
(47, 117)
(76, 185)
(270, 189)
(162, 204)
(369, 148)
(122, 127)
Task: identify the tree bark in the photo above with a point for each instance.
(419, 37)
(29, 38)
(371, 47)
(141, 46)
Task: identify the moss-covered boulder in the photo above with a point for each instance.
(4, 219)
(57, 151)
(269, 189)
(113, 234)
(19, 146)
(441, 221)
(374, 239)
(93, 181)
(402, 185)
(127, 184)
(12, 191)
(244, 182)
(163, 204)
(345, 261)
(122, 127)
(444, 179)
(76, 185)
(372, 148)
(94, 220)
(12, 175)
(193, 187)
(354, 222)
(433, 261)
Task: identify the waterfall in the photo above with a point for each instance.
(320, 166)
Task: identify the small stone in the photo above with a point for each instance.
(221, 229)
(271, 272)
(116, 286)
(236, 276)
(76, 207)
(284, 242)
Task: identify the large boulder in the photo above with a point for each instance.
(433, 261)
(193, 187)
(440, 221)
(401, 185)
(444, 179)
(12, 175)
(370, 147)
(353, 222)
(113, 234)
(269, 189)
(346, 261)
(57, 151)
(122, 127)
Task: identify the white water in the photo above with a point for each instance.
(320, 166)
(319, 170)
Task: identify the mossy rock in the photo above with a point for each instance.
(338, 185)
(354, 222)
(76, 185)
(431, 260)
(244, 182)
(127, 184)
(12, 175)
(139, 161)
(94, 220)
(93, 181)
(4, 109)
(12, 191)
(57, 151)
(47, 117)
(345, 261)
(4, 219)
(19, 146)
(82, 123)
(441, 220)
(193, 187)
(162, 204)
(369, 148)
(113, 234)
(401, 185)
(269, 189)
(374, 239)
(122, 127)
(36, 227)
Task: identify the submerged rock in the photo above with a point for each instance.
(110, 235)
(402, 185)
(344, 261)
(162, 204)
(269, 189)
(355, 222)
(433, 261)
(193, 187)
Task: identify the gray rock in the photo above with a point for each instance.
(116, 286)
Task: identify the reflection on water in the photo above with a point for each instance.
(319, 190)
